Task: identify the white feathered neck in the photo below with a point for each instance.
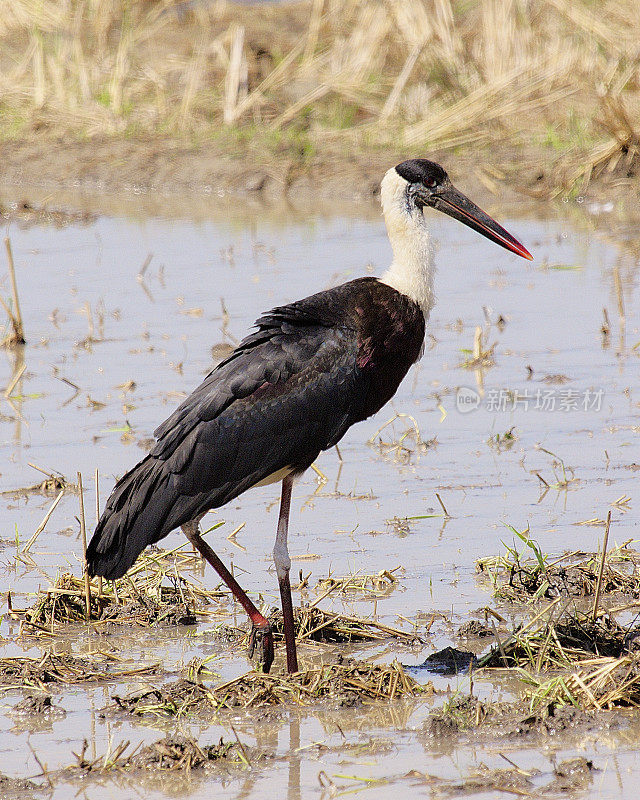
(413, 267)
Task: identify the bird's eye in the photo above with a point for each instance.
(431, 183)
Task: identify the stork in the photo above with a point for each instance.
(290, 390)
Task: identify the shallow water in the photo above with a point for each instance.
(91, 320)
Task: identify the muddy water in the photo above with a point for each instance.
(112, 350)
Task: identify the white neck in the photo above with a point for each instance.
(412, 270)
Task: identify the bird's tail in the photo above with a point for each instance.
(136, 515)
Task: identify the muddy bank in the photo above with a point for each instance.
(45, 180)
(313, 100)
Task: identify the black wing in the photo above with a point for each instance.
(290, 390)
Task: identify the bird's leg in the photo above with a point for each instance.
(261, 635)
(283, 565)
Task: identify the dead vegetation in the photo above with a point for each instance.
(594, 683)
(517, 578)
(316, 625)
(171, 754)
(156, 590)
(404, 447)
(170, 700)
(160, 589)
(322, 75)
(34, 673)
(561, 640)
(594, 660)
(378, 585)
(347, 683)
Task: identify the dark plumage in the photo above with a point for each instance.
(288, 391)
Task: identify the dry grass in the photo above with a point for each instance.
(38, 673)
(359, 583)
(316, 625)
(416, 74)
(595, 683)
(358, 680)
(157, 589)
(595, 663)
(347, 682)
(519, 579)
(561, 640)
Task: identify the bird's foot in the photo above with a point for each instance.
(261, 640)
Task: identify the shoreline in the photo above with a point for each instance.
(169, 178)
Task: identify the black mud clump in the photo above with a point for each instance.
(448, 661)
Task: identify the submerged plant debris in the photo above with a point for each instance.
(170, 700)
(575, 574)
(173, 753)
(379, 584)
(156, 590)
(572, 774)
(66, 669)
(17, 787)
(326, 626)
(347, 683)
(37, 705)
(596, 683)
(555, 644)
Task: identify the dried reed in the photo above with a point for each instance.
(426, 73)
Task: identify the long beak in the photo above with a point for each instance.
(452, 202)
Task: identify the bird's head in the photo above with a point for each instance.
(414, 184)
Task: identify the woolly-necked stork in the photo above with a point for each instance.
(290, 390)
